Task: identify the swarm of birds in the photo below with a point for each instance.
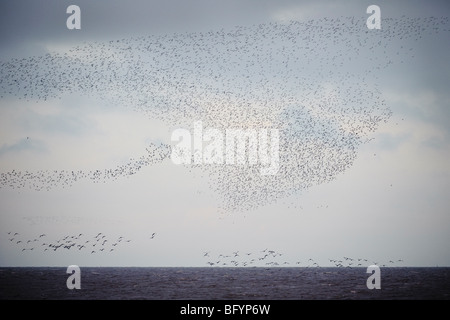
(315, 81)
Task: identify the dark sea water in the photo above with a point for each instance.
(49, 283)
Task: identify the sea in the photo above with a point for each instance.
(215, 283)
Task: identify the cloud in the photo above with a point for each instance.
(57, 124)
(303, 12)
(26, 26)
(25, 144)
(423, 105)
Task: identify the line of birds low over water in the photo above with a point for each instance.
(315, 81)
(100, 243)
(273, 258)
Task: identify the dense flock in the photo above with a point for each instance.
(315, 81)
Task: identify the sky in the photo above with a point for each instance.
(363, 117)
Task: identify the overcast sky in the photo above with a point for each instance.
(390, 204)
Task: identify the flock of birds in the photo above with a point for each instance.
(272, 258)
(101, 243)
(49, 179)
(315, 81)
(80, 242)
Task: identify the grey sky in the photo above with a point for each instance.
(391, 203)
(31, 21)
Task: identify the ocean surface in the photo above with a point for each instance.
(105, 283)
